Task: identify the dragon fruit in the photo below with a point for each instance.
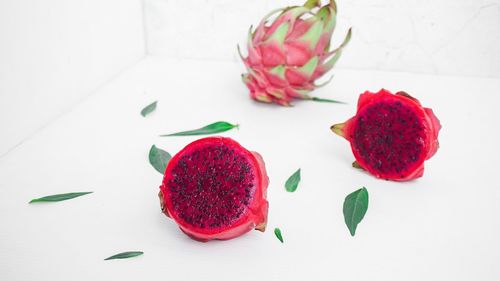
(391, 135)
(287, 55)
(215, 189)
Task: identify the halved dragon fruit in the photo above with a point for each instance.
(391, 135)
(215, 189)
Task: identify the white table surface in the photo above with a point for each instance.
(444, 226)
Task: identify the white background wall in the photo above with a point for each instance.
(55, 52)
(428, 36)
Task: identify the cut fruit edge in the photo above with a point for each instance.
(256, 217)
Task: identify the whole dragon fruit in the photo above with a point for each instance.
(286, 56)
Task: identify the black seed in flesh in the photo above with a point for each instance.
(389, 137)
(211, 186)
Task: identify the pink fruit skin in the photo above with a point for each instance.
(286, 56)
(254, 218)
(430, 122)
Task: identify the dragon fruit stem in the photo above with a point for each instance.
(310, 4)
(261, 227)
(338, 129)
(356, 165)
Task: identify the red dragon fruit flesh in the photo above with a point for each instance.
(391, 135)
(215, 189)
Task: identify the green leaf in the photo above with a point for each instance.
(213, 128)
(355, 206)
(326, 100)
(59, 197)
(159, 158)
(293, 181)
(125, 255)
(148, 109)
(277, 232)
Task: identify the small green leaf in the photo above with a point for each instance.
(159, 158)
(125, 255)
(277, 232)
(293, 181)
(213, 128)
(326, 100)
(59, 197)
(355, 206)
(148, 109)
